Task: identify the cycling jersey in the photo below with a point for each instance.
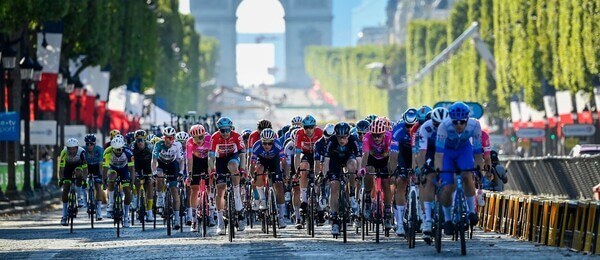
(377, 151)
(194, 150)
(426, 140)
(254, 136)
(113, 161)
(95, 156)
(258, 151)
(335, 151)
(414, 134)
(167, 155)
(401, 144)
(221, 147)
(142, 159)
(306, 144)
(76, 160)
(320, 149)
(449, 139)
(485, 143)
(290, 150)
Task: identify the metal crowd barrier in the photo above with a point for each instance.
(551, 221)
(573, 178)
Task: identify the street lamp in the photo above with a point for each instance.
(37, 78)
(9, 57)
(26, 68)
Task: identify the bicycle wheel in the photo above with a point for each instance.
(312, 211)
(438, 226)
(412, 223)
(117, 211)
(344, 212)
(461, 232)
(230, 215)
(204, 211)
(168, 211)
(378, 216)
(92, 204)
(273, 213)
(182, 209)
(154, 210)
(142, 210)
(71, 208)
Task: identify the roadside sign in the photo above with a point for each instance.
(498, 139)
(9, 126)
(42, 132)
(75, 131)
(578, 130)
(531, 132)
(476, 108)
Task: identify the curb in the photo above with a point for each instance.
(36, 204)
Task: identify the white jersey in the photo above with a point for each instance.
(290, 151)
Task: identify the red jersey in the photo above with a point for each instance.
(222, 147)
(414, 132)
(254, 136)
(306, 144)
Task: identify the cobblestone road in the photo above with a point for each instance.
(40, 236)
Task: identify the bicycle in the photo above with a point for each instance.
(459, 210)
(72, 206)
(182, 198)
(167, 213)
(269, 216)
(142, 202)
(91, 200)
(377, 207)
(232, 216)
(155, 209)
(411, 216)
(203, 212)
(246, 193)
(343, 207)
(310, 216)
(118, 206)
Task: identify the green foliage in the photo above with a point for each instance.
(342, 72)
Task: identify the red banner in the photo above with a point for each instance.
(47, 92)
(100, 116)
(88, 110)
(585, 117)
(73, 107)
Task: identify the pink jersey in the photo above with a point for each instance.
(378, 151)
(485, 143)
(198, 151)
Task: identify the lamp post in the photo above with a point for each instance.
(37, 78)
(96, 107)
(26, 68)
(9, 60)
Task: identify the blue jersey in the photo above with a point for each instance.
(448, 139)
(401, 144)
(276, 151)
(95, 157)
(320, 150)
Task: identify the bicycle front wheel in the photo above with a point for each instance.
(168, 211)
(231, 215)
(273, 207)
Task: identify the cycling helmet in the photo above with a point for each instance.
(118, 142)
(370, 118)
(130, 137)
(309, 121)
(264, 124)
(459, 110)
(197, 130)
(182, 136)
(140, 134)
(267, 134)
(378, 127)
(410, 116)
(329, 130)
(293, 134)
(168, 131)
(113, 133)
(439, 114)
(90, 138)
(423, 114)
(150, 137)
(297, 120)
(72, 142)
(387, 122)
(362, 126)
(353, 131)
(342, 129)
(155, 140)
(224, 122)
(284, 130)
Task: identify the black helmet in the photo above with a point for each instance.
(342, 129)
(264, 124)
(90, 138)
(130, 137)
(494, 156)
(362, 126)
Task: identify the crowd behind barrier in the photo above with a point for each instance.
(573, 178)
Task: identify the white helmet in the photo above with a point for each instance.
(117, 142)
(439, 114)
(329, 130)
(267, 134)
(72, 142)
(296, 120)
(182, 136)
(168, 131)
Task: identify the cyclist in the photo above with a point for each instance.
(290, 172)
(296, 121)
(401, 159)
(142, 154)
(306, 138)
(371, 118)
(454, 151)
(166, 160)
(267, 156)
(118, 159)
(130, 138)
(197, 149)
(375, 157)
(255, 137)
(72, 164)
(227, 154)
(328, 131)
(425, 160)
(340, 152)
(111, 135)
(182, 137)
(94, 161)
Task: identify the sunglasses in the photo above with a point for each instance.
(267, 143)
(120, 150)
(376, 135)
(90, 144)
(343, 137)
(170, 138)
(309, 127)
(459, 122)
(198, 137)
(225, 130)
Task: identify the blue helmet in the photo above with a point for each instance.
(424, 114)
(362, 126)
(309, 121)
(459, 110)
(224, 122)
(342, 129)
(371, 118)
(410, 116)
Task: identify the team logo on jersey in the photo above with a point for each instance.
(226, 148)
(308, 146)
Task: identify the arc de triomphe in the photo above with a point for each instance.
(307, 22)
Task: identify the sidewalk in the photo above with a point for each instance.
(39, 201)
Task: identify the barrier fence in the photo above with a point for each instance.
(549, 221)
(574, 178)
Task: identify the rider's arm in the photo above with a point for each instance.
(62, 162)
(477, 146)
(422, 146)
(106, 164)
(130, 164)
(440, 144)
